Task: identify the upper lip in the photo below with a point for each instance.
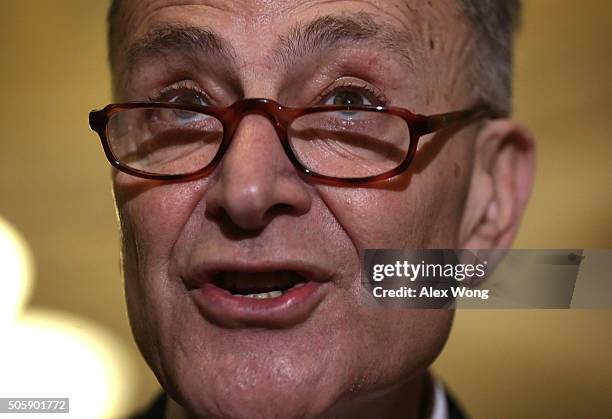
(204, 272)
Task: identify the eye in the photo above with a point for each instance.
(189, 97)
(346, 97)
(184, 94)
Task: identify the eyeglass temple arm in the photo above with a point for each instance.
(434, 123)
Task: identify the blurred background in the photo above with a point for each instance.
(56, 201)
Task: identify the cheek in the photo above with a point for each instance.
(152, 219)
(363, 218)
(384, 218)
(419, 210)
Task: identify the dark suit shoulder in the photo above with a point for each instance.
(156, 410)
(455, 411)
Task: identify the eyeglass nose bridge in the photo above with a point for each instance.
(276, 113)
(279, 116)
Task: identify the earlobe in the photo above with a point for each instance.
(502, 176)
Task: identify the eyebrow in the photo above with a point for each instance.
(173, 39)
(328, 31)
(322, 33)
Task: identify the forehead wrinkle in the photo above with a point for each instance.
(325, 32)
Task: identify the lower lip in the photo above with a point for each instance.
(227, 310)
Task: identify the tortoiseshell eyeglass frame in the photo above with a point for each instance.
(281, 118)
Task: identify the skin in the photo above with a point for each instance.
(466, 189)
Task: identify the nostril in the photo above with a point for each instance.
(280, 209)
(215, 212)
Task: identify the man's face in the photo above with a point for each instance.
(256, 220)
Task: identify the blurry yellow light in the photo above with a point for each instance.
(49, 354)
(15, 274)
(59, 355)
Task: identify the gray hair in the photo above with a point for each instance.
(494, 22)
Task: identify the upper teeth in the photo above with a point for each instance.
(271, 294)
(271, 283)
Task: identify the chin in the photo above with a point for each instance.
(269, 388)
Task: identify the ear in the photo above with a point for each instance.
(502, 176)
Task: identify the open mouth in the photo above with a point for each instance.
(261, 286)
(233, 295)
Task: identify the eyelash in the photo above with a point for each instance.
(372, 94)
(175, 89)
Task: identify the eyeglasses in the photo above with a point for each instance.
(342, 144)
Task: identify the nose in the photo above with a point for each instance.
(255, 181)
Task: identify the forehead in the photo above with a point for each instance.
(263, 12)
(409, 44)
(261, 19)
